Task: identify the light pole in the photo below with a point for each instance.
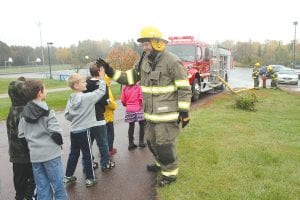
(294, 60)
(48, 44)
(39, 24)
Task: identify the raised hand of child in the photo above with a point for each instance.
(101, 72)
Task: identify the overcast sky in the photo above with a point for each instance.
(65, 22)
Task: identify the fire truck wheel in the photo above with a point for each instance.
(195, 90)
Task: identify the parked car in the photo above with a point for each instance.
(297, 69)
(288, 76)
(276, 68)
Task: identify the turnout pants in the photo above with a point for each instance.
(161, 142)
(256, 83)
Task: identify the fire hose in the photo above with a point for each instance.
(230, 88)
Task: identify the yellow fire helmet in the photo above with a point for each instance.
(154, 36)
(269, 68)
(257, 64)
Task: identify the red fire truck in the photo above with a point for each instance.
(206, 65)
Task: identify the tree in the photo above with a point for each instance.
(63, 55)
(5, 53)
(22, 55)
(122, 58)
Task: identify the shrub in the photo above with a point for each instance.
(246, 101)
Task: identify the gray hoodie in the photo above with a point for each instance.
(80, 110)
(37, 124)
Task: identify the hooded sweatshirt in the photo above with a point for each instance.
(37, 124)
(132, 98)
(80, 109)
(100, 105)
(18, 150)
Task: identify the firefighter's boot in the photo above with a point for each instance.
(153, 168)
(166, 180)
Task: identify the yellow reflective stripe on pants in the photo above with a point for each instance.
(117, 75)
(158, 90)
(170, 173)
(157, 163)
(161, 117)
(182, 83)
(183, 105)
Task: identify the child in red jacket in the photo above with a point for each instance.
(132, 98)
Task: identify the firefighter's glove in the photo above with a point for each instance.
(102, 63)
(183, 118)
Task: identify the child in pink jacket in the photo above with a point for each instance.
(132, 98)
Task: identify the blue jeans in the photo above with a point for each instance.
(110, 135)
(80, 141)
(48, 177)
(99, 134)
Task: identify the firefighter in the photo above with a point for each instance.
(166, 99)
(255, 75)
(273, 75)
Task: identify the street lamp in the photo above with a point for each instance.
(48, 44)
(294, 60)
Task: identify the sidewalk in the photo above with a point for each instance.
(128, 180)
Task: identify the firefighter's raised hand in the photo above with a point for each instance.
(102, 63)
(183, 118)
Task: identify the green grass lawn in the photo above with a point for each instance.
(227, 153)
(50, 83)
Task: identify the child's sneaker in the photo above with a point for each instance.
(69, 179)
(108, 166)
(90, 182)
(132, 146)
(95, 165)
(142, 144)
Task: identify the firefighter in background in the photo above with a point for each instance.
(166, 99)
(255, 75)
(273, 75)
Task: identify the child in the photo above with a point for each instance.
(109, 118)
(99, 132)
(80, 111)
(18, 151)
(131, 97)
(43, 134)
